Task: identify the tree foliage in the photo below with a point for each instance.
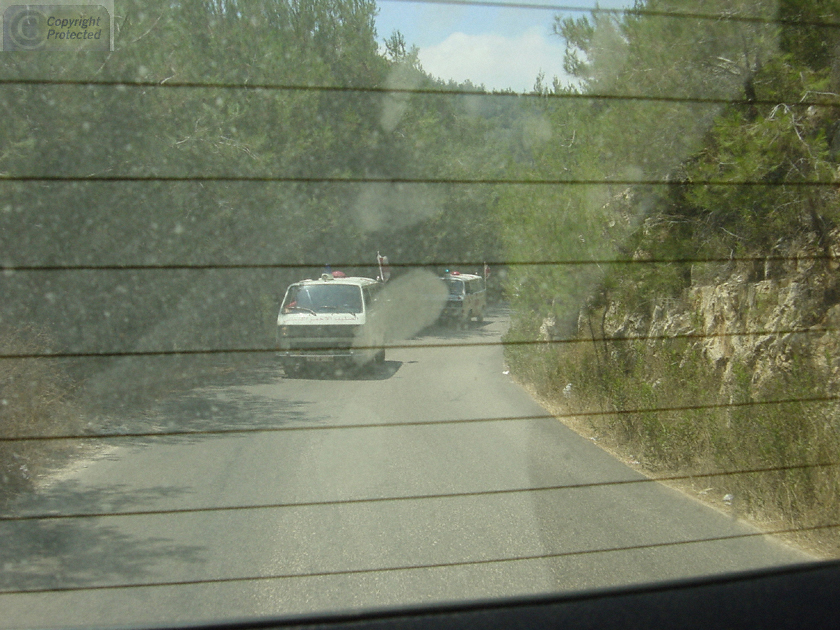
(710, 107)
(234, 134)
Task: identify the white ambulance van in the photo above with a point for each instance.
(467, 298)
(332, 322)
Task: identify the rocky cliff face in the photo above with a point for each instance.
(766, 317)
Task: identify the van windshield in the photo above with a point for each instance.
(456, 287)
(330, 298)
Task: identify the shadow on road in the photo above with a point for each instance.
(220, 410)
(72, 497)
(474, 331)
(79, 552)
(218, 400)
(380, 372)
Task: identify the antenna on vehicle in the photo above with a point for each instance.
(384, 267)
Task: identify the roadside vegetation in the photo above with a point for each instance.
(35, 400)
(702, 339)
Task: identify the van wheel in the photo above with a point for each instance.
(480, 317)
(379, 359)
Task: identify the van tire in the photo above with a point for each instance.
(379, 359)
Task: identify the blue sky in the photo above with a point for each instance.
(499, 47)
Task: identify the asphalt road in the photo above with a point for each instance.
(405, 485)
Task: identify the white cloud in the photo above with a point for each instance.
(497, 61)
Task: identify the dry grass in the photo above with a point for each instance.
(34, 402)
(796, 445)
